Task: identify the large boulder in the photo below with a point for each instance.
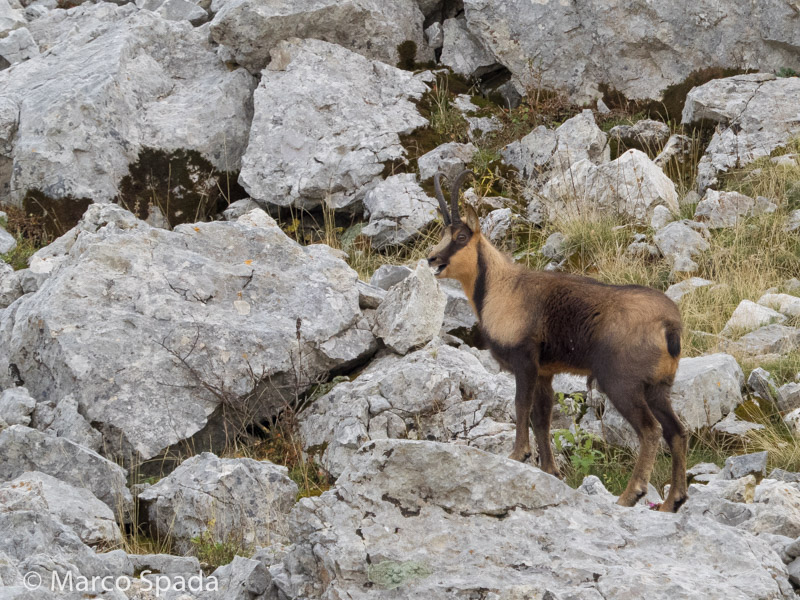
(398, 210)
(756, 114)
(326, 120)
(681, 242)
(437, 393)
(412, 313)
(159, 334)
(91, 520)
(250, 29)
(727, 209)
(547, 152)
(144, 82)
(429, 520)
(706, 389)
(239, 501)
(749, 316)
(634, 47)
(463, 52)
(23, 449)
(630, 185)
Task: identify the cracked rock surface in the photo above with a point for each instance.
(174, 323)
(395, 513)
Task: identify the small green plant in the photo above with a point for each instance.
(578, 445)
(786, 72)
(213, 552)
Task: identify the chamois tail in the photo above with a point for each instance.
(673, 335)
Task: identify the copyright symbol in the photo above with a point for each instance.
(32, 581)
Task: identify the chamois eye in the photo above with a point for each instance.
(462, 237)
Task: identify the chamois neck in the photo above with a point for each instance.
(491, 264)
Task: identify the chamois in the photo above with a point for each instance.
(624, 337)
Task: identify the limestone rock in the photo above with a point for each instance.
(678, 290)
(544, 153)
(762, 385)
(634, 47)
(788, 396)
(250, 30)
(756, 114)
(661, 216)
(398, 210)
(436, 393)
(630, 185)
(679, 149)
(412, 312)
(386, 276)
(706, 389)
(770, 339)
(403, 502)
(221, 303)
(448, 159)
(140, 73)
(646, 135)
(749, 316)
(91, 520)
(7, 242)
(497, 224)
(681, 242)
(16, 406)
(339, 119)
(10, 286)
(238, 500)
(733, 426)
(458, 313)
(23, 449)
(463, 52)
(726, 209)
(784, 303)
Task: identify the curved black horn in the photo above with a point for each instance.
(437, 187)
(454, 190)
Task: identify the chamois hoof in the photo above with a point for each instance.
(520, 456)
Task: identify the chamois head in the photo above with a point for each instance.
(455, 256)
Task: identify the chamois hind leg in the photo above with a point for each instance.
(542, 414)
(677, 440)
(629, 400)
(522, 405)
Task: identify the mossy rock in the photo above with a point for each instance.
(390, 575)
(183, 184)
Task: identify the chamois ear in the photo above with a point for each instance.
(473, 222)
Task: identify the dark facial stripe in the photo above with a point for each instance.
(479, 295)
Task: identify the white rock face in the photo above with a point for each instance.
(635, 47)
(770, 339)
(214, 302)
(326, 119)
(706, 389)
(463, 52)
(91, 520)
(408, 501)
(250, 29)
(10, 287)
(678, 290)
(436, 393)
(413, 311)
(631, 185)
(784, 303)
(449, 159)
(145, 82)
(7, 242)
(497, 224)
(544, 152)
(757, 113)
(727, 209)
(398, 210)
(23, 449)
(16, 406)
(18, 46)
(749, 316)
(681, 242)
(236, 499)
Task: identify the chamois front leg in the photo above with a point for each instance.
(542, 415)
(522, 404)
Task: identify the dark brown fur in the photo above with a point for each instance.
(537, 324)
